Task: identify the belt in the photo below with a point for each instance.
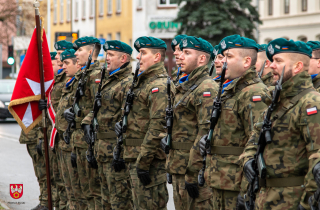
(224, 150)
(107, 135)
(78, 125)
(282, 182)
(181, 145)
(133, 142)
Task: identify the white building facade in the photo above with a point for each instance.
(83, 17)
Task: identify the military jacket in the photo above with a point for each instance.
(295, 139)
(191, 122)
(113, 94)
(243, 101)
(31, 137)
(92, 80)
(267, 79)
(316, 82)
(146, 119)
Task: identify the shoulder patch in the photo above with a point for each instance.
(206, 94)
(155, 90)
(97, 80)
(256, 98)
(312, 111)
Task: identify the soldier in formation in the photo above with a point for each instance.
(263, 66)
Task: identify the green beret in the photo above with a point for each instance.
(237, 41)
(315, 45)
(262, 47)
(67, 54)
(177, 40)
(117, 46)
(195, 43)
(149, 42)
(53, 55)
(83, 41)
(281, 45)
(63, 45)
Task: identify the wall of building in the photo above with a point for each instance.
(83, 17)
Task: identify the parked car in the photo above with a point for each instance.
(6, 89)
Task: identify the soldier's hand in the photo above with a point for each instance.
(202, 144)
(118, 128)
(300, 207)
(169, 178)
(73, 160)
(249, 171)
(316, 174)
(144, 176)
(39, 147)
(42, 104)
(313, 202)
(68, 115)
(192, 189)
(87, 133)
(240, 203)
(117, 162)
(163, 143)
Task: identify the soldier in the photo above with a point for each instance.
(295, 132)
(142, 152)
(193, 98)
(76, 200)
(176, 52)
(115, 186)
(266, 76)
(218, 56)
(314, 66)
(242, 99)
(54, 62)
(88, 176)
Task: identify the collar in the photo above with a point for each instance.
(114, 71)
(69, 81)
(60, 70)
(183, 79)
(313, 76)
(217, 77)
(225, 84)
(178, 72)
(85, 66)
(250, 74)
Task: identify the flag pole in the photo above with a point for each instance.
(44, 126)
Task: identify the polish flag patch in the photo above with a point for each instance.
(155, 90)
(256, 98)
(97, 80)
(312, 111)
(206, 94)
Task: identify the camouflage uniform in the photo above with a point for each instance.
(239, 112)
(70, 175)
(292, 152)
(115, 186)
(89, 178)
(142, 138)
(316, 82)
(267, 79)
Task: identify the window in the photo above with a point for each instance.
(130, 42)
(101, 7)
(118, 6)
(109, 37)
(91, 12)
(266, 41)
(304, 6)
(55, 11)
(302, 38)
(61, 11)
(101, 36)
(286, 6)
(83, 9)
(68, 10)
(167, 2)
(286, 38)
(270, 7)
(118, 36)
(109, 9)
(318, 37)
(139, 4)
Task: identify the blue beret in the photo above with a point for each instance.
(67, 54)
(262, 47)
(53, 55)
(149, 42)
(177, 40)
(237, 41)
(315, 45)
(195, 43)
(63, 45)
(83, 41)
(117, 46)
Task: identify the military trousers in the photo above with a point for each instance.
(224, 199)
(154, 195)
(115, 187)
(182, 200)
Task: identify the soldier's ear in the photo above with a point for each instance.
(297, 67)
(268, 63)
(318, 64)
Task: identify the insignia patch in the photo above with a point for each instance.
(223, 45)
(271, 50)
(185, 43)
(285, 48)
(206, 94)
(256, 98)
(56, 46)
(238, 44)
(97, 80)
(137, 44)
(16, 190)
(111, 46)
(215, 52)
(277, 46)
(174, 42)
(75, 45)
(106, 46)
(312, 111)
(155, 90)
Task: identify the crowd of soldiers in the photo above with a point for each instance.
(122, 136)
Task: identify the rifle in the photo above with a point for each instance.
(178, 74)
(261, 72)
(212, 66)
(259, 165)
(94, 124)
(216, 111)
(79, 93)
(169, 118)
(127, 108)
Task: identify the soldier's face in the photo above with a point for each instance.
(279, 61)
(148, 59)
(114, 60)
(55, 66)
(189, 60)
(177, 53)
(218, 64)
(260, 61)
(69, 67)
(314, 66)
(82, 55)
(235, 61)
(58, 58)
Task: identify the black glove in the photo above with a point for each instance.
(73, 160)
(192, 189)
(316, 174)
(117, 162)
(39, 147)
(87, 133)
(313, 202)
(163, 143)
(118, 129)
(144, 176)
(202, 145)
(42, 104)
(169, 178)
(240, 203)
(248, 171)
(68, 115)
(301, 207)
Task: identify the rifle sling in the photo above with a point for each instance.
(291, 103)
(282, 182)
(107, 135)
(133, 142)
(227, 150)
(181, 145)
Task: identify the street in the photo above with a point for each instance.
(16, 168)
